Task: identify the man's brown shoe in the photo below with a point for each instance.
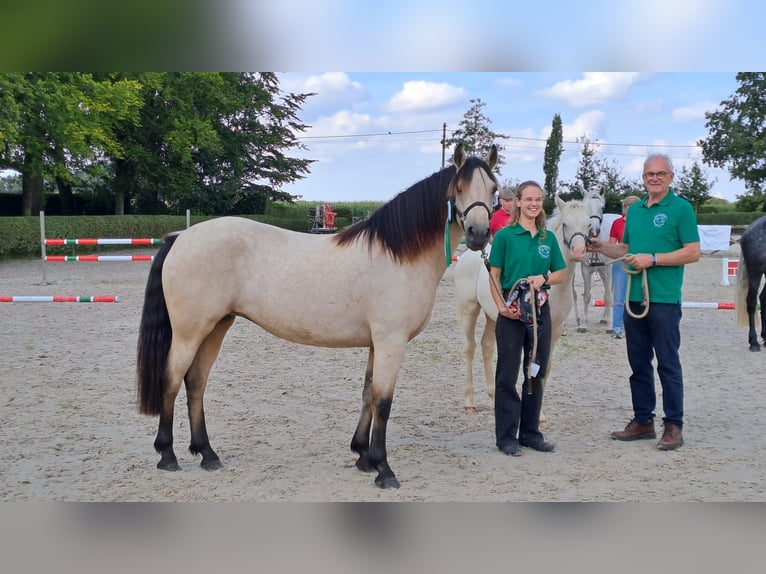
(635, 431)
(671, 437)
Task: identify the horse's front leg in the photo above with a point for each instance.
(468, 317)
(488, 346)
(360, 442)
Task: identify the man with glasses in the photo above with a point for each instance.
(660, 237)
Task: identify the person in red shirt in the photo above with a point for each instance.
(619, 277)
(502, 216)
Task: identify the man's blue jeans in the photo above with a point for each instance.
(658, 334)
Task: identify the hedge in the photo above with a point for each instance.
(20, 236)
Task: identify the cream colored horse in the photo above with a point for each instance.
(372, 285)
(571, 224)
(595, 264)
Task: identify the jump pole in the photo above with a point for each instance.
(59, 298)
(99, 258)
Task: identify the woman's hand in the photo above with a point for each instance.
(510, 313)
(536, 282)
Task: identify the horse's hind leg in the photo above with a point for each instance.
(763, 314)
(587, 277)
(752, 295)
(196, 382)
(360, 442)
(606, 278)
(163, 444)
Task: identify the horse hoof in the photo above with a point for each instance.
(582, 330)
(169, 465)
(210, 464)
(470, 410)
(755, 348)
(388, 482)
(363, 464)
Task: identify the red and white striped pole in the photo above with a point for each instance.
(59, 298)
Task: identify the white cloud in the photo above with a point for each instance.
(421, 95)
(693, 112)
(586, 124)
(593, 88)
(332, 82)
(343, 123)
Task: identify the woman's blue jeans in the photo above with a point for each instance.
(619, 284)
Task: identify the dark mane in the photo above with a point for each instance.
(413, 220)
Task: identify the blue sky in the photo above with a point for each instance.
(627, 114)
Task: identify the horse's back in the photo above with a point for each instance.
(298, 286)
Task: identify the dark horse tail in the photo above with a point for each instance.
(154, 337)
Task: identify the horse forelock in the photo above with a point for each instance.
(463, 176)
(409, 223)
(573, 214)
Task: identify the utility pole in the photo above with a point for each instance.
(444, 141)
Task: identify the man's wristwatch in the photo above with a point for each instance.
(545, 278)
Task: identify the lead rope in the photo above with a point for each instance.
(644, 290)
(644, 286)
(499, 290)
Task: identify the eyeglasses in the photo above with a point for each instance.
(659, 174)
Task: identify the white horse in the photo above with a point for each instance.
(571, 225)
(595, 263)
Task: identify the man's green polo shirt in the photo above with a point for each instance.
(664, 227)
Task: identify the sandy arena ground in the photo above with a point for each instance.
(281, 415)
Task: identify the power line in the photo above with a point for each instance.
(541, 140)
(368, 135)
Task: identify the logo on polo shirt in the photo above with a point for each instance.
(544, 251)
(660, 220)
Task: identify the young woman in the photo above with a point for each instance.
(524, 255)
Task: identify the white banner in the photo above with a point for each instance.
(714, 237)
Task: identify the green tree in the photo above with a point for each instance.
(694, 185)
(212, 142)
(596, 173)
(475, 134)
(55, 124)
(587, 176)
(737, 138)
(553, 148)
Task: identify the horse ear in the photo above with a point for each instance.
(492, 157)
(458, 158)
(560, 203)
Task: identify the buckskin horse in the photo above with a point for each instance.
(377, 281)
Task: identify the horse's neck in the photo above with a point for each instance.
(456, 235)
